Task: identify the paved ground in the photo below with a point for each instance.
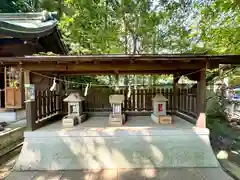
(125, 174)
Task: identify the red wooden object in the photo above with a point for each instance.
(160, 107)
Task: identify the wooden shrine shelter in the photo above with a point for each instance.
(24, 34)
(188, 103)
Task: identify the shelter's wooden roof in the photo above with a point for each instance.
(119, 63)
(222, 59)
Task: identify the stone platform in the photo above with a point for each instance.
(125, 174)
(155, 146)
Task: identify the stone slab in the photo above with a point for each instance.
(126, 174)
(127, 148)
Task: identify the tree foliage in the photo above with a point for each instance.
(126, 26)
(144, 26)
(219, 26)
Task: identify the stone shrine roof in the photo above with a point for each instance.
(159, 98)
(116, 98)
(74, 97)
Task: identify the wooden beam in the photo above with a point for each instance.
(89, 67)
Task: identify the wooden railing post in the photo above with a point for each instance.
(31, 115)
(31, 111)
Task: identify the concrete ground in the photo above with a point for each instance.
(125, 174)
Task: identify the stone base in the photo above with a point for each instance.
(162, 119)
(10, 115)
(70, 121)
(165, 119)
(117, 119)
(111, 148)
(82, 118)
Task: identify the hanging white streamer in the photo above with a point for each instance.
(53, 88)
(129, 92)
(117, 88)
(86, 90)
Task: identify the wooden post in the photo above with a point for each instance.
(31, 111)
(31, 116)
(175, 93)
(201, 97)
(58, 97)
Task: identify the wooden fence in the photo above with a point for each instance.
(141, 99)
(47, 105)
(187, 101)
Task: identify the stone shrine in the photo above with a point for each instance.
(159, 114)
(75, 110)
(116, 117)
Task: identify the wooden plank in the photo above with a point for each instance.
(134, 99)
(141, 99)
(44, 104)
(149, 99)
(189, 100)
(171, 99)
(182, 98)
(9, 97)
(185, 99)
(138, 100)
(178, 98)
(37, 103)
(48, 110)
(166, 93)
(125, 100)
(40, 108)
(54, 102)
(51, 101)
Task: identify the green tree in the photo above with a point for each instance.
(218, 29)
(126, 26)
